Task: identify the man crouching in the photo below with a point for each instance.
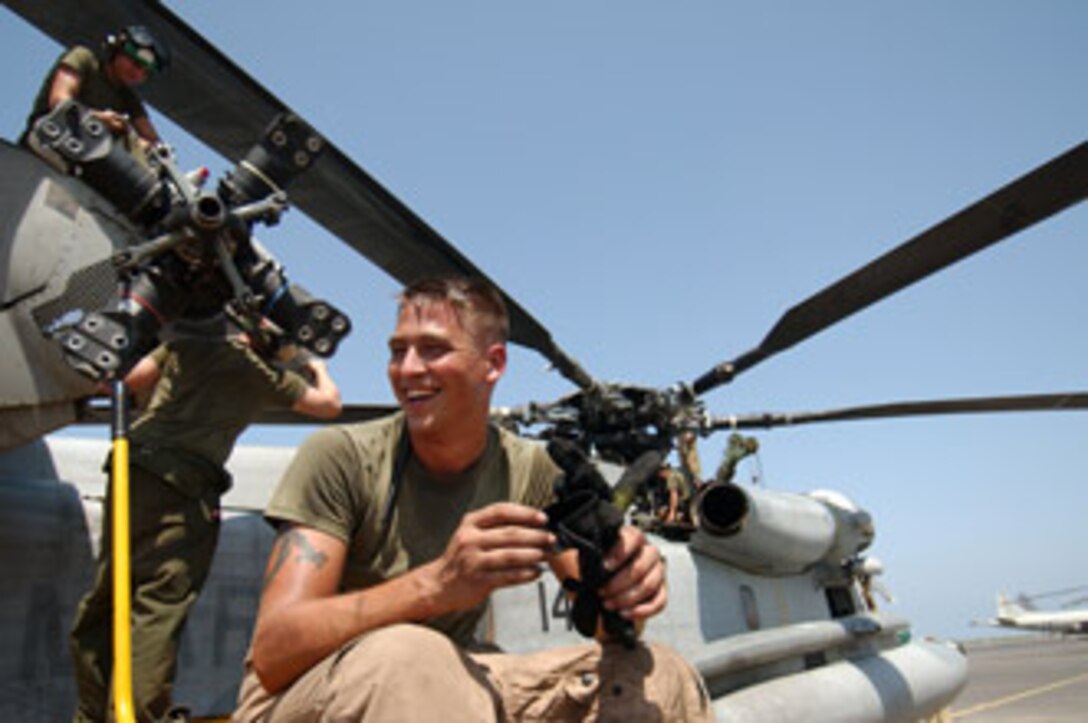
(392, 534)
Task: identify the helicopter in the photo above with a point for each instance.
(627, 419)
(1021, 612)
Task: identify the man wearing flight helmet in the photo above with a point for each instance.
(105, 82)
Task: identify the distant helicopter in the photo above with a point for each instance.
(1021, 613)
(770, 592)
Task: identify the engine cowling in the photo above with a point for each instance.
(778, 533)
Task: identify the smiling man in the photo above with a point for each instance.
(392, 534)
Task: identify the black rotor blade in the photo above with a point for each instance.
(97, 411)
(1064, 401)
(350, 413)
(1058, 593)
(215, 100)
(1043, 192)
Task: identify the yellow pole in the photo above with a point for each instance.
(122, 576)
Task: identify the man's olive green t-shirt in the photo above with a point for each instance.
(95, 89)
(339, 484)
(208, 392)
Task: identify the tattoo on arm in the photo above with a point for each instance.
(293, 542)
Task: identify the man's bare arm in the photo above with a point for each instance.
(145, 129)
(304, 618)
(65, 86)
(322, 398)
(144, 375)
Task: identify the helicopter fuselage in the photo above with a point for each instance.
(799, 642)
(57, 234)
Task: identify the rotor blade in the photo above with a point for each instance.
(1064, 401)
(1043, 192)
(97, 411)
(1058, 593)
(350, 413)
(212, 98)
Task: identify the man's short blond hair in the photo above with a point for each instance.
(479, 306)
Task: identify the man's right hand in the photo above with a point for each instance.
(116, 122)
(500, 545)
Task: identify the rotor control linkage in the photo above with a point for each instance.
(96, 346)
(288, 148)
(311, 323)
(72, 140)
(584, 518)
(107, 343)
(201, 258)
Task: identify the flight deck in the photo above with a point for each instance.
(1024, 679)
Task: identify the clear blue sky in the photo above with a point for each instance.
(658, 182)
